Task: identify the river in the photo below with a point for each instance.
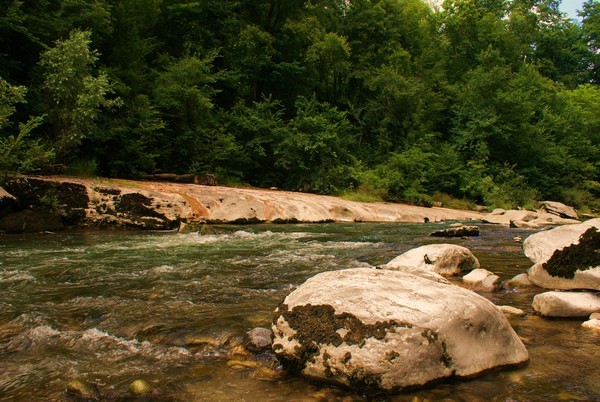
(109, 307)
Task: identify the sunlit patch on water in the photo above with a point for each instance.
(109, 307)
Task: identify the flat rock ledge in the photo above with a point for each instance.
(527, 219)
(384, 331)
(164, 206)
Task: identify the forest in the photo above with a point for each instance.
(491, 102)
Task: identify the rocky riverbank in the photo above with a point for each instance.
(170, 206)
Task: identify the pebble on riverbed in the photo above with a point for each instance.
(80, 389)
(140, 387)
(258, 340)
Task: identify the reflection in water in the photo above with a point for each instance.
(111, 307)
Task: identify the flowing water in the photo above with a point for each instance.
(111, 307)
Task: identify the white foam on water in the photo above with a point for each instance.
(162, 269)
(9, 276)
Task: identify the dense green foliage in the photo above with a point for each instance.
(496, 101)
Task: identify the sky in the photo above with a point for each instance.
(571, 6)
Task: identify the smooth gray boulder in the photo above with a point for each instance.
(381, 330)
(566, 304)
(567, 257)
(444, 259)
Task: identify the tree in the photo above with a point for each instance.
(591, 41)
(315, 153)
(75, 96)
(329, 56)
(18, 152)
(197, 140)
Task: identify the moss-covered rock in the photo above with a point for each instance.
(567, 257)
(380, 330)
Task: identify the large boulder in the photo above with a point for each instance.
(566, 304)
(444, 259)
(381, 330)
(559, 209)
(567, 257)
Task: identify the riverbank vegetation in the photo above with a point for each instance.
(494, 102)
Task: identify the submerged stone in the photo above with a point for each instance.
(380, 330)
(82, 390)
(140, 387)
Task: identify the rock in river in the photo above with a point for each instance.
(559, 209)
(459, 231)
(482, 280)
(257, 340)
(444, 259)
(567, 257)
(381, 330)
(566, 304)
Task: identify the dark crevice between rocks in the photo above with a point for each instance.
(582, 256)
